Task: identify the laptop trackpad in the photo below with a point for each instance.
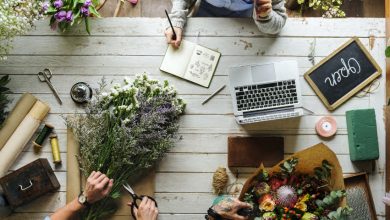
(263, 73)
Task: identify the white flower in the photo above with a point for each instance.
(116, 85)
(126, 87)
(104, 94)
(16, 18)
(127, 80)
(126, 121)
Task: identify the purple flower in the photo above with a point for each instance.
(84, 11)
(87, 3)
(69, 16)
(45, 6)
(58, 4)
(60, 16)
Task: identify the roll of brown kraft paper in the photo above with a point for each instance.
(20, 137)
(16, 116)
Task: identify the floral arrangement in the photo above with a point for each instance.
(331, 8)
(289, 195)
(16, 18)
(125, 131)
(65, 13)
(4, 100)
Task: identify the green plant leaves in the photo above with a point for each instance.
(289, 166)
(387, 51)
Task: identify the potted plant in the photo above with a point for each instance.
(330, 8)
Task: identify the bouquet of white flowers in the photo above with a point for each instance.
(125, 131)
(16, 18)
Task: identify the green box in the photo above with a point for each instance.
(362, 135)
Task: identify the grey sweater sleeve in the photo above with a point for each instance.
(275, 21)
(179, 13)
(272, 24)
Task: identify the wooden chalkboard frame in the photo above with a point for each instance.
(353, 91)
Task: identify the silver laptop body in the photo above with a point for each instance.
(265, 92)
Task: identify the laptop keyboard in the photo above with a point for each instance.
(266, 95)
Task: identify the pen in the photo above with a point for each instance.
(212, 95)
(170, 23)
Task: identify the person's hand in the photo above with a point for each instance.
(169, 34)
(228, 208)
(147, 210)
(263, 8)
(97, 187)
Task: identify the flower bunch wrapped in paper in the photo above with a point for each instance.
(308, 185)
(125, 131)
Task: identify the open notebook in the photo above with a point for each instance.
(192, 62)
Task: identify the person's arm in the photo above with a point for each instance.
(270, 15)
(178, 17)
(97, 187)
(228, 208)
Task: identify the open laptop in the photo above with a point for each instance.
(265, 92)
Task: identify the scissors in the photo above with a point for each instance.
(136, 198)
(45, 76)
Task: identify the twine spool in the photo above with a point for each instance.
(220, 180)
(326, 126)
(45, 132)
(55, 149)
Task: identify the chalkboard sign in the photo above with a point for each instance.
(343, 73)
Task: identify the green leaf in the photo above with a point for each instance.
(94, 12)
(87, 26)
(51, 10)
(387, 52)
(74, 4)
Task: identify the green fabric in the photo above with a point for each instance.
(362, 135)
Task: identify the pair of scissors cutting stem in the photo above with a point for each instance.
(45, 76)
(136, 199)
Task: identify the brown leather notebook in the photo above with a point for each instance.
(252, 151)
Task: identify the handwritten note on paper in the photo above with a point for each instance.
(343, 73)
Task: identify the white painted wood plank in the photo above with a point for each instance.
(81, 65)
(185, 162)
(345, 27)
(45, 204)
(125, 46)
(227, 124)
(220, 104)
(217, 143)
(29, 156)
(28, 83)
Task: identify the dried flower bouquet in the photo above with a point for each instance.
(125, 131)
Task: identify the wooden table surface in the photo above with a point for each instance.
(121, 47)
